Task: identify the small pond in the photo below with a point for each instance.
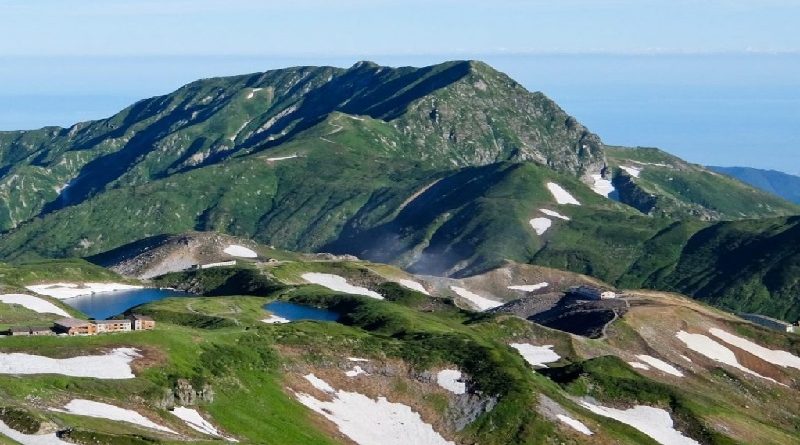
(296, 312)
(107, 304)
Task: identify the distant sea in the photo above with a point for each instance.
(730, 109)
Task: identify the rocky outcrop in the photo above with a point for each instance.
(184, 394)
(631, 194)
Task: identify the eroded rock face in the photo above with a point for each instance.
(631, 194)
(460, 122)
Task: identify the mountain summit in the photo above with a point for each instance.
(455, 114)
(450, 169)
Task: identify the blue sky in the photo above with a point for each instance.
(327, 27)
(714, 81)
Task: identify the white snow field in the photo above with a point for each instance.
(540, 225)
(654, 422)
(575, 424)
(449, 379)
(281, 158)
(413, 285)
(661, 365)
(240, 251)
(775, 356)
(357, 359)
(275, 319)
(355, 372)
(706, 346)
(114, 365)
(220, 264)
(339, 284)
(195, 421)
(89, 408)
(602, 186)
(639, 365)
(35, 304)
(530, 287)
(633, 171)
(30, 439)
(536, 356)
(371, 422)
(554, 214)
(476, 300)
(64, 291)
(561, 195)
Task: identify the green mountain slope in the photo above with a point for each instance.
(439, 170)
(452, 114)
(778, 183)
(259, 382)
(658, 183)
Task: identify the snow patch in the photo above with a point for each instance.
(639, 365)
(633, 171)
(536, 356)
(561, 195)
(450, 379)
(357, 359)
(372, 422)
(653, 422)
(554, 214)
(281, 158)
(339, 284)
(540, 225)
(113, 365)
(575, 424)
(31, 439)
(275, 319)
(220, 264)
(413, 285)
(319, 384)
(775, 356)
(195, 421)
(602, 186)
(529, 287)
(356, 371)
(660, 365)
(64, 291)
(253, 92)
(706, 346)
(89, 408)
(479, 302)
(35, 304)
(240, 251)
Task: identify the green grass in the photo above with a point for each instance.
(688, 191)
(75, 270)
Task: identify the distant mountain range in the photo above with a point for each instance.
(778, 183)
(447, 170)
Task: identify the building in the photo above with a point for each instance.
(73, 326)
(592, 293)
(770, 323)
(141, 322)
(30, 331)
(104, 326)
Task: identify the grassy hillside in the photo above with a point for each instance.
(255, 370)
(451, 114)
(665, 185)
